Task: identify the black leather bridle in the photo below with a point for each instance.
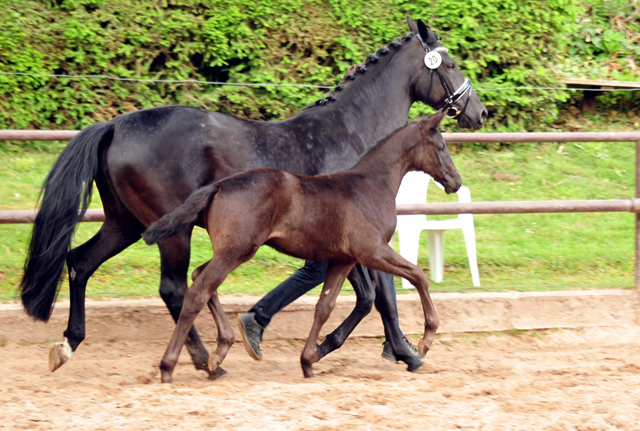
(452, 96)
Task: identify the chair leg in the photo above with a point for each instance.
(409, 241)
(468, 231)
(436, 255)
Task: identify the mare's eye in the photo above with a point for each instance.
(451, 66)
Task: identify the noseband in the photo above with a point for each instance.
(452, 96)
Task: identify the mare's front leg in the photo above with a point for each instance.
(174, 258)
(385, 259)
(336, 273)
(225, 339)
(199, 294)
(365, 295)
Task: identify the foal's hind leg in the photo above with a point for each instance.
(225, 332)
(386, 260)
(200, 292)
(332, 285)
(113, 237)
(365, 295)
(174, 258)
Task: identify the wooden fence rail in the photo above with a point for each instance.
(612, 205)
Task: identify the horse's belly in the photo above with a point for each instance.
(309, 247)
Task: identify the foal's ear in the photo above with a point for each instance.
(426, 34)
(412, 26)
(432, 121)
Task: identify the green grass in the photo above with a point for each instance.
(515, 252)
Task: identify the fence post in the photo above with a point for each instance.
(637, 257)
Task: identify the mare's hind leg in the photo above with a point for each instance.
(174, 258)
(225, 332)
(336, 273)
(200, 293)
(365, 295)
(113, 237)
(386, 260)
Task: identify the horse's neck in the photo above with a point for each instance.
(375, 103)
(386, 164)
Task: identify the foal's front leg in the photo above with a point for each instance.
(197, 295)
(365, 296)
(336, 274)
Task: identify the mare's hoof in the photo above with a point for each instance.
(217, 373)
(59, 354)
(251, 334)
(214, 362)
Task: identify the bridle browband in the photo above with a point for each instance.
(452, 96)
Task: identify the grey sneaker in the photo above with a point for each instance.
(251, 334)
(387, 351)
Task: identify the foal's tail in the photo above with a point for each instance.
(66, 188)
(183, 216)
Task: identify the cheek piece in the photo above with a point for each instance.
(433, 61)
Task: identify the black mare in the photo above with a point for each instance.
(146, 163)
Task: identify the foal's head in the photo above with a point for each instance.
(432, 156)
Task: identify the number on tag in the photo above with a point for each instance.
(432, 60)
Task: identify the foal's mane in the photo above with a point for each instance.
(375, 61)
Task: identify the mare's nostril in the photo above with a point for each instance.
(483, 115)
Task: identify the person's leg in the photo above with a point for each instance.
(386, 300)
(253, 323)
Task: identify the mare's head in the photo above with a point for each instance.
(440, 83)
(432, 156)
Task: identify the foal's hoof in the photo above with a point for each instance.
(308, 371)
(165, 375)
(422, 349)
(214, 361)
(59, 354)
(217, 373)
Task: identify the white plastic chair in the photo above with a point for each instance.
(413, 190)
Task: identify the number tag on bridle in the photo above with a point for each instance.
(432, 60)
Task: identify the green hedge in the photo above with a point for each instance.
(496, 43)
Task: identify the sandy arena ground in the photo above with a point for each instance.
(551, 380)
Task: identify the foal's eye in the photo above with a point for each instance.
(441, 146)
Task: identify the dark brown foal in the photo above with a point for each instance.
(345, 218)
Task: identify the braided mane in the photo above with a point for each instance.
(373, 60)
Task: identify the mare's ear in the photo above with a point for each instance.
(425, 33)
(432, 121)
(412, 26)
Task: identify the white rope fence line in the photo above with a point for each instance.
(250, 84)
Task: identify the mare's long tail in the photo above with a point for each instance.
(183, 216)
(66, 188)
